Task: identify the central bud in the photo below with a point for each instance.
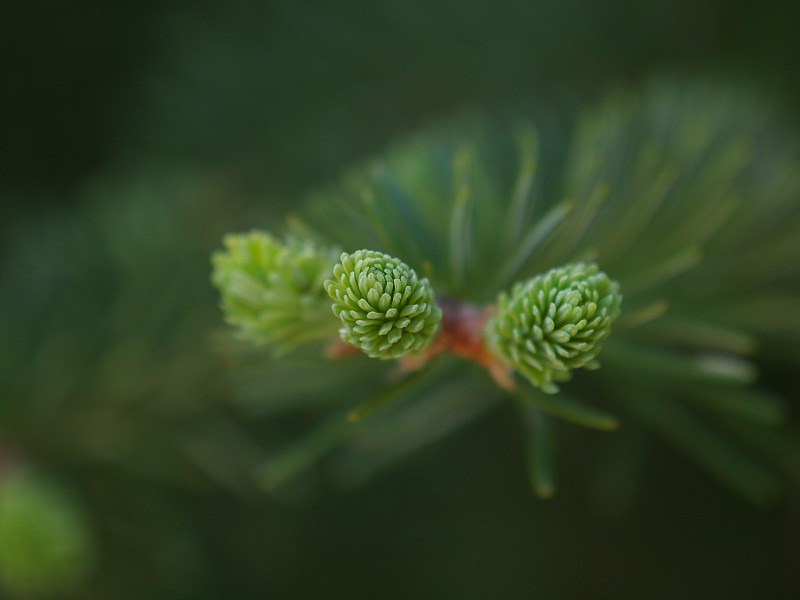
(385, 309)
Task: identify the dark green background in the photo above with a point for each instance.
(275, 98)
(303, 87)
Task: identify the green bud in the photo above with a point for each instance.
(385, 309)
(553, 323)
(45, 545)
(272, 291)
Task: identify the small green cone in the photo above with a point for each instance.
(553, 323)
(385, 309)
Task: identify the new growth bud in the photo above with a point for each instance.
(272, 291)
(553, 323)
(385, 309)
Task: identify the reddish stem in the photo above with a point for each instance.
(460, 333)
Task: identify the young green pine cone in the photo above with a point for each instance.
(272, 291)
(553, 323)
(384, 308)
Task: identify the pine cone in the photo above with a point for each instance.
(553, 323)
(384, 308)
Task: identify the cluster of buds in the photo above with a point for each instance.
(279, 293)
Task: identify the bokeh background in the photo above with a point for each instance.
(137, 133)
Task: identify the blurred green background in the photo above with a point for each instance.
(137, 133)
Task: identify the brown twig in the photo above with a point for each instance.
(460, 333)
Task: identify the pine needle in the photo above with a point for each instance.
(568, 408)
(541, 451)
